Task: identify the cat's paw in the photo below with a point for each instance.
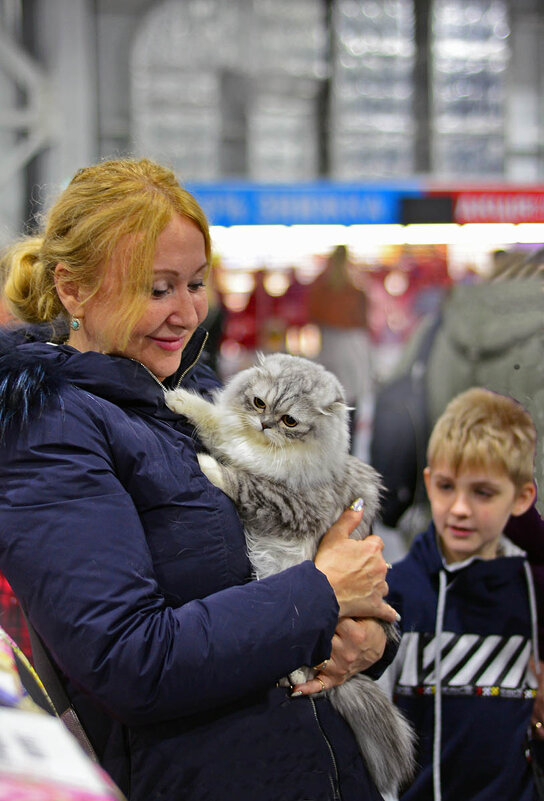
(211, 469)
(179, 400)
(301, 675)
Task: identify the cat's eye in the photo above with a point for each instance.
(289, 421)
(258, 403)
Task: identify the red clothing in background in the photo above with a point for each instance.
(11, 618)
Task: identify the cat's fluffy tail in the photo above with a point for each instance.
(384, 736)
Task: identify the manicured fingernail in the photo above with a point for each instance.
(398, 618)
(358, 505)
(296, 694)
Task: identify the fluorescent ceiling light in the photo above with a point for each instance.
(251, 247)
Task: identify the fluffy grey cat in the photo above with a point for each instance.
(278, 438)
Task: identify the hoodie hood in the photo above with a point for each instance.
(474, 317)
(33, 370)
(426, 550)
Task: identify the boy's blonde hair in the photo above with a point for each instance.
(114, 202)
(482, 429)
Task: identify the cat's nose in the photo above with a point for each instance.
(264, 425)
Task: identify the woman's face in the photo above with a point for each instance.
(178, 302)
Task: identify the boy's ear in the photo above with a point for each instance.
(427, 478)
(524, 499)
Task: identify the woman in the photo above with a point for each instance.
(130, 564)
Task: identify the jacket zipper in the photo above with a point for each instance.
(334, 781)
(182, 376)
(195, 360)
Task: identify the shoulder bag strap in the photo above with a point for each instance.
(49, 675)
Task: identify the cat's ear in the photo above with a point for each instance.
(260, 356)
(336, 406)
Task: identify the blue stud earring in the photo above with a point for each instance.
(75, 324)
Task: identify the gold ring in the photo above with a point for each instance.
(322, 665)
(323, 688)
(538, 724)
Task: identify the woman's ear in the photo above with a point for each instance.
(524, 499)
(68, 291)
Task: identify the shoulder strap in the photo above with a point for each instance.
(427, 339)
(422, 430)
(49, 675)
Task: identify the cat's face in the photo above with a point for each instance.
(287, 400)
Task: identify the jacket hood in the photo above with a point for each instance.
(426, 551)
(474, 315)
(33, 371)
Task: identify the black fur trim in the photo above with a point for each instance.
(27, 383)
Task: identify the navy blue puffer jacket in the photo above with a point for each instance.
(133, 569)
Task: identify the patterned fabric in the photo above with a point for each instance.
(470, 665)
(11, 618)
(467, 659)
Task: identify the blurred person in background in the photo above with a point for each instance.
(492, 335)
(339, 308)
(214, 322)
(488, 334)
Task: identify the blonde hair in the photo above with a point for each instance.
(482, 429)
(104, 205)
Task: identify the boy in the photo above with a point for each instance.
(465, 595)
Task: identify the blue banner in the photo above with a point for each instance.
(320, 203)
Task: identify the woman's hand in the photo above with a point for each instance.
(356, 645)
(355, 569)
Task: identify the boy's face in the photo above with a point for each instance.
(470, 508)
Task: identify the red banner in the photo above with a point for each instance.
(496, 205)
